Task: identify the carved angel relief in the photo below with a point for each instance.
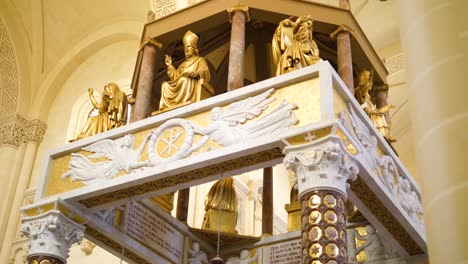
(175, 139)
(385, 166)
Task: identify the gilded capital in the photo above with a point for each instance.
(51, 234)
(342, 28)
(323, 164)
(242, 8)
(151, 41)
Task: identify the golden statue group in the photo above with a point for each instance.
(293, 48)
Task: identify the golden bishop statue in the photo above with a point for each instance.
(112, 111)
(292, 45)
(379, 116)
(183, 82)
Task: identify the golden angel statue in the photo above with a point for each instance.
(292, 45)
(112, 111)
(184, 81)
(379, 116)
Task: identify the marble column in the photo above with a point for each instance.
(50, 237)
(322, 169)
(434, 37)
(267, 201)
(183, 199)
(142, 106)
(345, 60)
(238, 15)
(344, 55)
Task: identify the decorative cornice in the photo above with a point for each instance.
(15, 129)
(242, 8)
(51, 234)
(395, 63)
(321, 165)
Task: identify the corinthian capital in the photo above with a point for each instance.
(321, 165)
(51, 234)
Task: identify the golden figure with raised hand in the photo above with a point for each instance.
(292, 45)
(112, 111)
(185, 82)
(379, 116)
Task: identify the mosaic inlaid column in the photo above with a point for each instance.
(238, 15)
(142, 107)
(322, 169)
(50, 237)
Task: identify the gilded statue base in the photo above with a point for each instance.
(228, 221)
(171, 108)
(294, 216)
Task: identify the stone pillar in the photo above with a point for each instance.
(322, 169)
(142, 107)
(345, 60)
(238, 15)
(434, 38)
(267, 197)
(50, 237)
(32, 133)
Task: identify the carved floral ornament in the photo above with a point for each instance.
(51, 234)
(175, 139)
(15, 129)
(387, 170)
(324, 164)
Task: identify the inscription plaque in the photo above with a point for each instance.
(288, 252)
(154, 232)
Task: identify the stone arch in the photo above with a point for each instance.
(107, 35)
(9, 78)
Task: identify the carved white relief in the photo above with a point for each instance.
(51, 234)
(87, 247)
(243, 258)
(120, 156)
(197, 256)
(376, 246)
(227, 127)
(321, 165)
(385, 166)
(106, 215)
